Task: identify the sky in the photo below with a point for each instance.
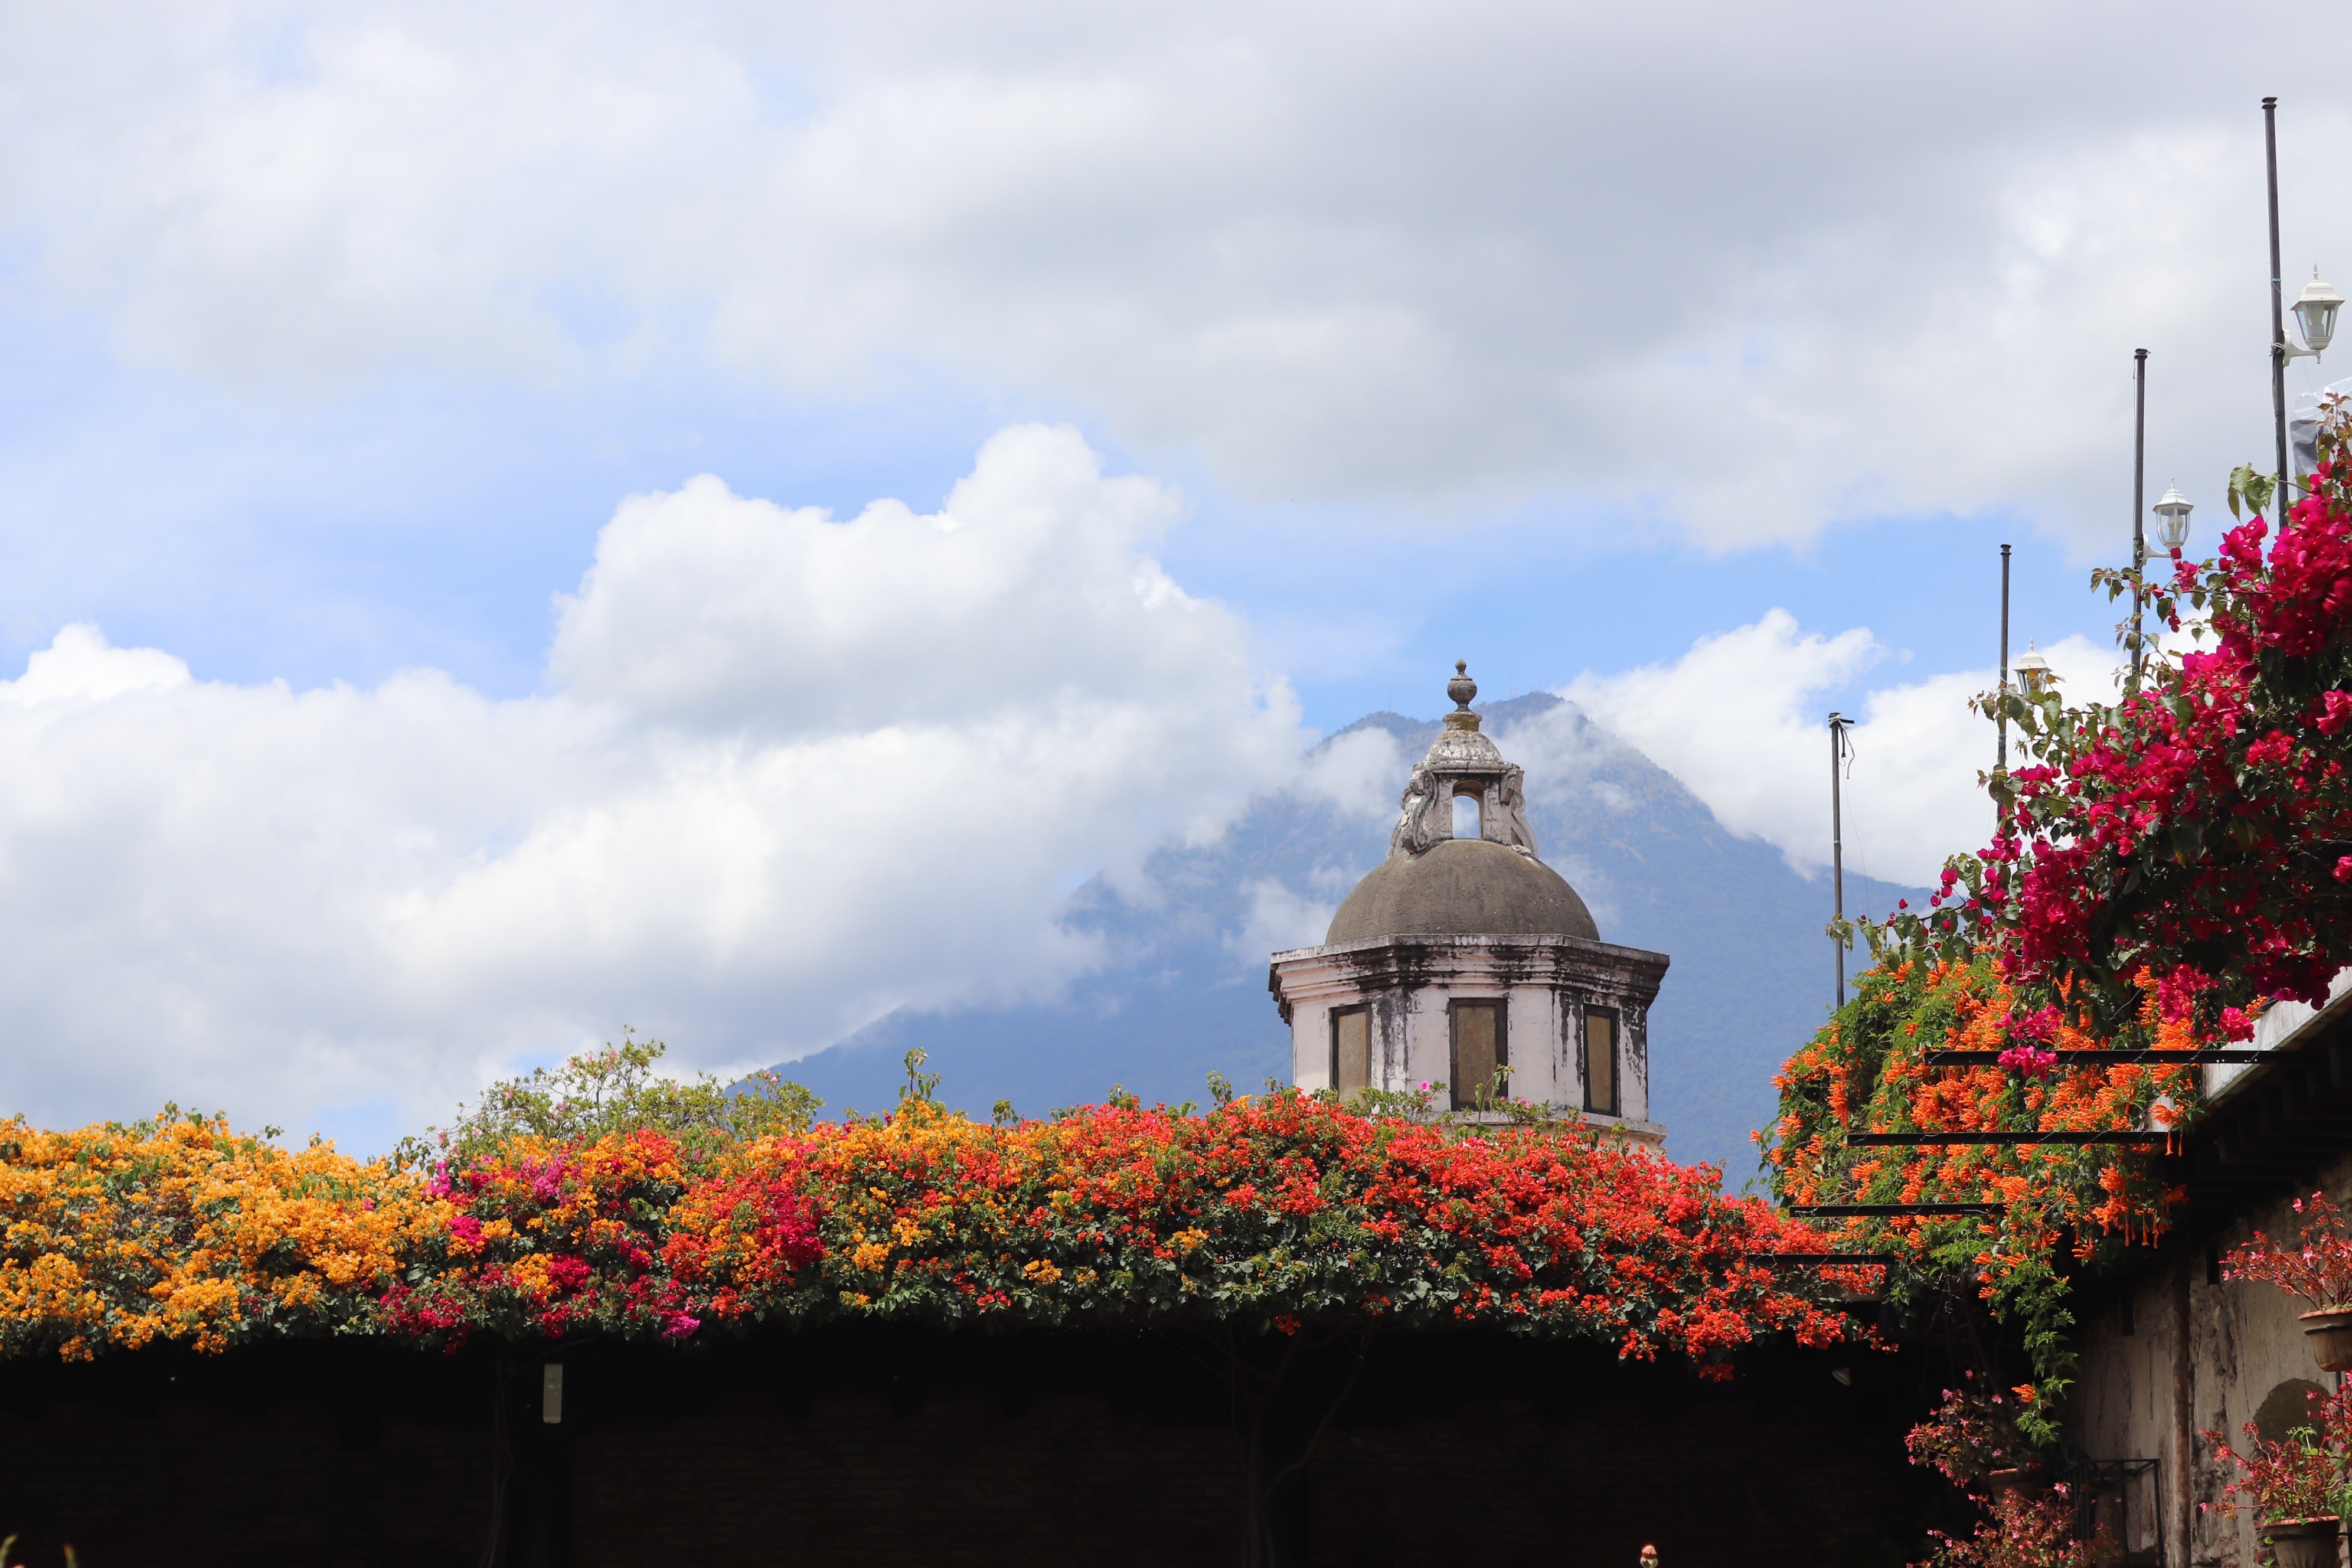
(528, 522)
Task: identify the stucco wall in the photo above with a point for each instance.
(2138, 1395)
(1546, 984)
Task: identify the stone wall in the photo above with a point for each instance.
(2200, 1355)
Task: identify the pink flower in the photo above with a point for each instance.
(2029, 1061)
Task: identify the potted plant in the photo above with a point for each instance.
(2296, 1487)
(2023, 1528)
(1974, 1439)
(2316, 1267)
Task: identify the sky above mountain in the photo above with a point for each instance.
(528, 521)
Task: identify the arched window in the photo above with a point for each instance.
(1467, 823)
(2286, 1407)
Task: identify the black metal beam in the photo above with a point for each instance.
(1933, 1140)
(1834, 1211)
(2101, 1058)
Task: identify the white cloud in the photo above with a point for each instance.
(789, 773)
(1737, 719)
(1641, 254)
(1281, 918)
(1362, 773)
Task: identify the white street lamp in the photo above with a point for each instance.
(2172, 518)
(2034, 671)
(2314, 312)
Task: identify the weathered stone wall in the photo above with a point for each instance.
(2200, 1355)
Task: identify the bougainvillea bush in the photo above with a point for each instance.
(1282, 1209)
(176, 1228)
(1270, 1213)
(2197, 831)
(2164, 865)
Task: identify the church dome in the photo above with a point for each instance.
(1434, 884)
(1462, 887)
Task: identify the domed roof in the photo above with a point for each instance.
(1434, 884)
(1462, 887)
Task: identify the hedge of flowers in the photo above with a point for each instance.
(1274, 1211)
(179, 1230)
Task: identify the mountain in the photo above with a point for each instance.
(1183, 991)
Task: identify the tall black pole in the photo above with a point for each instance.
(2001, 763)
(2139, 501)
(1837, 848)
(2278, 307)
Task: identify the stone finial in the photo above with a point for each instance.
(1462, 689)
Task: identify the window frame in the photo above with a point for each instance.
(1616, 1106)
(1370, 1078)
(1454, 1006)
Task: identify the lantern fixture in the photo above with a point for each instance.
(2314, 312)
(2032, 671)
(2172, 518)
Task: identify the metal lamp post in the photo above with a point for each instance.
(2139, 510)
(2314, 310)
(1840, 748)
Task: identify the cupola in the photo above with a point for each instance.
(1468, 962)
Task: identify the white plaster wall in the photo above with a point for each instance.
(1412, 1034)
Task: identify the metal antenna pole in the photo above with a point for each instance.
(2278, 308)
(2139, 494)
(1837, 846)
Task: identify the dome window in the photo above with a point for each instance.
(1480, 1052)
(1351, 1051)
(1601, 1062)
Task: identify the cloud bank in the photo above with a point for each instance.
(1738, 271)
(788, 773)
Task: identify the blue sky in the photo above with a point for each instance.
(365, 736)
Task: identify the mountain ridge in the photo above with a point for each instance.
(1181, 993)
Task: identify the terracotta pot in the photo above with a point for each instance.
(2002, 1483)
(2330, 1333)
(2304, 1542)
